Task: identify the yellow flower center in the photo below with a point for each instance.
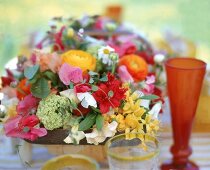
(106, 51)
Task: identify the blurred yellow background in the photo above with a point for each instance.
(189, 18)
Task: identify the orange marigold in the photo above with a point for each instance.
(136, 66)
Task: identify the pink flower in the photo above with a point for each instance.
(150, 79)
(149, 85)
(69, 74)
(24, 127)
(124, 74)
(128, 48)
(27, 105)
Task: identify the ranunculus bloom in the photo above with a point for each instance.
(23, 89)
(136, 66)
(69, 74)
(79, 58)
(48, 61)
(124, 74)
(26, 105)
(24, 127)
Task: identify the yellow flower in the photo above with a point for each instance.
(131, 121)
(79, 58)
(70, 32)
(151, 125)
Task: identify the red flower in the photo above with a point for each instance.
(80, 109)
(109, 94)
(149, 58)
(6, 80)
(24, 127)
(58, 45)
(82, 88)
(25, 106)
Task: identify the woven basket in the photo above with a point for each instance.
(56, 137)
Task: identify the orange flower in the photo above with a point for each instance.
(136, 66)
(48, 61)
(23, 89)
(79, 58)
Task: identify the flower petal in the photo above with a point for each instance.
(69, 74)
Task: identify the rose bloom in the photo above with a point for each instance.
(136, 66)
(79, 58)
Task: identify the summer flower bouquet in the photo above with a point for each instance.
(81, 85)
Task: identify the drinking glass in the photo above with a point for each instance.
(129, 154)
(184, 81)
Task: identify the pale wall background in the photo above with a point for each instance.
(189, 18)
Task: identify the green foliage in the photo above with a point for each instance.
(149, 97)
(41, 88)
(88, 122)
(99, 122)
(30, 72)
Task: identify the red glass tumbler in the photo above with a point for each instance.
(184, 82)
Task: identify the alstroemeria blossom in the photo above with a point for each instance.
(87, 100)
(69, 74)
(96, 137)
(24, 127)
(74, 136)
(155, 110)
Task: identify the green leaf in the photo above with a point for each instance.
(92, 73)
(30, 72)
(91, 80)
(99, 122)
(41, 88)
(95, 109)
(88, 122)
(51, 76)
(110, 93)
(94, 88)
(71, 85)
(149, 97)
(105, 78)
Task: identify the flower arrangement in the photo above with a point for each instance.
(80, 84)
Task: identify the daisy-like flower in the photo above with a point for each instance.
(104, 54)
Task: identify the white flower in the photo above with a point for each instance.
(155, 110)
(74, 136)
(158, 58)
(70, 94)
(87, 99)
(104, 53)
(143, 102)
(96, 137)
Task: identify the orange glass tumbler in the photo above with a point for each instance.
(184, 82)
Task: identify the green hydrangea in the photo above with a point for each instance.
(52, 111)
